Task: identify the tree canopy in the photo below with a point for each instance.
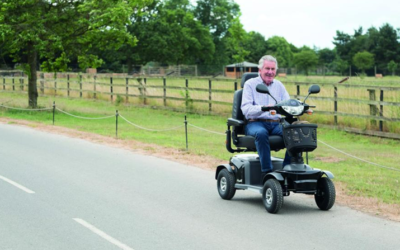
(305, 60)
(58, 31)
(363, 60)
(54, 34)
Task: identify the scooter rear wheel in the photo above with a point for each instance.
(272, 196)
(226, 184)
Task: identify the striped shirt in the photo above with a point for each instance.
(252, 101)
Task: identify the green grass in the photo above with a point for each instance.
(361, 178)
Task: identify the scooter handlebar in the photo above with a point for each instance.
(267, 108)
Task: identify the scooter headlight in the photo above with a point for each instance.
(293, 110)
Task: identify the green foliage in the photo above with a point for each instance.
(119, 100)
(305, 60)
(236, 37)
(281, 50)
(392, 66)
(382, 42)
(59, 64)
(340, 65)
(89, 61)
(256, 46)
(217, 16)
(363, 60)
(57, 31)
(188, 100)
(175, 37)
(326, 56)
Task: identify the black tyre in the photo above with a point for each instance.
(272, 196)
(226, 184)
(326, 194)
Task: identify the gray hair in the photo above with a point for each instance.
(267, 58)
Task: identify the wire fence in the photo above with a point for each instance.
(186, 124)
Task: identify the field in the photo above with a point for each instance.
(366, 166)
(356, 99)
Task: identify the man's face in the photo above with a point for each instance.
(268, 71)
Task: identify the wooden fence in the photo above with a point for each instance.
(341, 104)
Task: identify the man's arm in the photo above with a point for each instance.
(248, 108)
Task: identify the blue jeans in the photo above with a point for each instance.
(261, 131)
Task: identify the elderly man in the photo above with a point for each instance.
(262, 124)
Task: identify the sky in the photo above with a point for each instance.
(315, 22)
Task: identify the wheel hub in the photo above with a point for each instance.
(222, 184)
(269, 196)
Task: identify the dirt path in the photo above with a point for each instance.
(368, 205)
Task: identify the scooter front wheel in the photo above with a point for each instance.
(326, 194)
(226, 184)
(272, 196)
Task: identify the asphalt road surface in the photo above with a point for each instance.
(64, 193)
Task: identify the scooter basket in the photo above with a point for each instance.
(300, 137)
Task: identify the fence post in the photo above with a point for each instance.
(68, 85)
(335, 105)
(297, 91)
(55, 84)
(116, 124)
(186, 134)
(373, 109)
(209, 96)
(111, 89)
(42, 83)
(165, 91)
(94, 87)
(13, 82)
(127, 90)
(54, 111)
(236, 87)
(381, 111)
(144, 91)
(4, 83)
(80, 85)
(187, 94)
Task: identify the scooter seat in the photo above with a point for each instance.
(275, 141)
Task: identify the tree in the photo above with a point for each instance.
(363, 60)
(305, 60)
(236, 38)
(387, 46)
(340, 65)
(256, 45)
(392, 66)
(280, 48)
(326, 57)
(56, 31)
(342, 41)
(168, 35)
(217, 16)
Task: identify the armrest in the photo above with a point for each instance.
(235, 122)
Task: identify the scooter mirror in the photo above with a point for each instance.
(314, 89)
(261, 88)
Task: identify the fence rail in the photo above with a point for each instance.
(338, 102)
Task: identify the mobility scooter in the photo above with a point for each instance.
(244, 171)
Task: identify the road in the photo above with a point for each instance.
(58, 193)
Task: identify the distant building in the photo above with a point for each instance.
(236, 70)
